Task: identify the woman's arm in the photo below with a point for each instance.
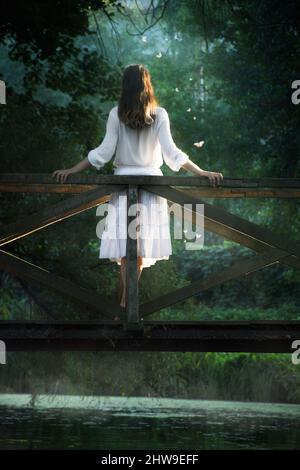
(214, 178)
(61, 175)
(176, 158)
(173, 156)
(98, 156)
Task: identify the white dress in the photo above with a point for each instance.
(138, 152)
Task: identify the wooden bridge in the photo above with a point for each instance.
(134, 330)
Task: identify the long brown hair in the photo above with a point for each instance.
(137, 103)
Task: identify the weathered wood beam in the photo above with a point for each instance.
(46, 183)
(132, 292)
(221, 192)
(85, 297)
(60, 188)
(242, 267)
(214, 336)
(226, 221)
(28, 224)
(209, 192)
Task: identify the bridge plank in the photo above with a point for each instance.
(213, 336)
(197, 181)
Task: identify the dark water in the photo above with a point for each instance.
(112, 423)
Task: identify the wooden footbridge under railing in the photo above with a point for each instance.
(134, 331)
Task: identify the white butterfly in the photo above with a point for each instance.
(199, 144)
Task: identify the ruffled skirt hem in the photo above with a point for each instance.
(153, 236)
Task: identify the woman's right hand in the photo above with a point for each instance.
(62, 175)
(214, 178)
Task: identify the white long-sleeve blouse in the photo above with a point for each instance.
(150, 146)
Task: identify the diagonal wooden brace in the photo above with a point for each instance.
(50, 215)
(25, 270)
(240, 268)
(234, 227)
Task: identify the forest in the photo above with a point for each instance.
(224, 71)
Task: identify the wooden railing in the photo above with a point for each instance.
(90, 191)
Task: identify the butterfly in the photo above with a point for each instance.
(199, 144)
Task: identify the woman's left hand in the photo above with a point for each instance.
(62, 175)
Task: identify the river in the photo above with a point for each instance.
(112, 423)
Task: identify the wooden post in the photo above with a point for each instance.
(132, 295)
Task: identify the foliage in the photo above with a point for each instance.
(224, 71)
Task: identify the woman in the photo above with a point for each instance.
(138, 133)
